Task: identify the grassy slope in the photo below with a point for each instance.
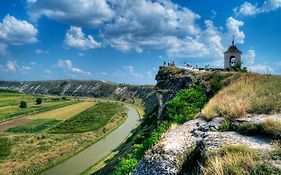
(251, 93)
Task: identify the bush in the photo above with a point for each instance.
(23, 104)
(126, 166)
(38, 101)
(186, 104)
(225, 126)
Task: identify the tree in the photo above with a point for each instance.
(39, 101)
(23, 104)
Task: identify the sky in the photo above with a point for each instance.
(125, 41)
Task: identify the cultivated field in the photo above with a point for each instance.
(10, 101)
(56, 129)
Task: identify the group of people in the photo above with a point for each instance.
(170, 63)
(173, 63)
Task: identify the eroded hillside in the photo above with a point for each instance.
(236, 132)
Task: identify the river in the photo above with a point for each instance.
(94, 153)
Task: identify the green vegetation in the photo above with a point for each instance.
(238, 159)
(238, 68)
(186, 104)
(250, 93)
(128, 163)
(90, 119)
(181, 108)
(38, 101)
(23, 104)
(34, 126)
(5, 147)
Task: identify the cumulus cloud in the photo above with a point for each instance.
(17, 32)
(11, 65)
(90, 13)
(67, 65)
(140, 26)
(249, 9)
(76, 38)
(233, 25)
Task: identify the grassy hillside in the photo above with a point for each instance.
(250, 93)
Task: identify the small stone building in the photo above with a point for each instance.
(232, 56)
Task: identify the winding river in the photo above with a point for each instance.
(94, 153)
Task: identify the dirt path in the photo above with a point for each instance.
(13, 123)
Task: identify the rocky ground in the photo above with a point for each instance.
(168, 156)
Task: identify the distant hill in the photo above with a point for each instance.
(144, 95)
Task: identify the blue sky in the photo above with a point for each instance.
(125, 41)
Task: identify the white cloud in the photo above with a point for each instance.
(67, 65)
(33, 63)
(11, 65)
(246, 9)
(249, 57)
(140, 26)
(249, 9)
(40, 51)
(48, 71)
(81, 54)
(90, 13)
(233, 25)
(17, 32)
(264, 69)
(27, 68)
(76, 38)
(130, 70)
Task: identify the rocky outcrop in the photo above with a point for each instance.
(168, 156)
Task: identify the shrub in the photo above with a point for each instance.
(186, 104)
(38, 101)
(23, 104)
(126, 165)
(225, 126)
(216, 82)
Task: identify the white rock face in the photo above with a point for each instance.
(169, 154)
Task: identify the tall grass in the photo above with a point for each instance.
(251, 93)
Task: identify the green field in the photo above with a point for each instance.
(34, 126)
(10, 100)
(89, 120)
(52, 131)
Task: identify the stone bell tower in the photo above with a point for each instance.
(232, 56)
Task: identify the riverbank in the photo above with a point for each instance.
(85, 159)
(33, 153)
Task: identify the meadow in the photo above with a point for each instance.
(53, 131)
(10, 101)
